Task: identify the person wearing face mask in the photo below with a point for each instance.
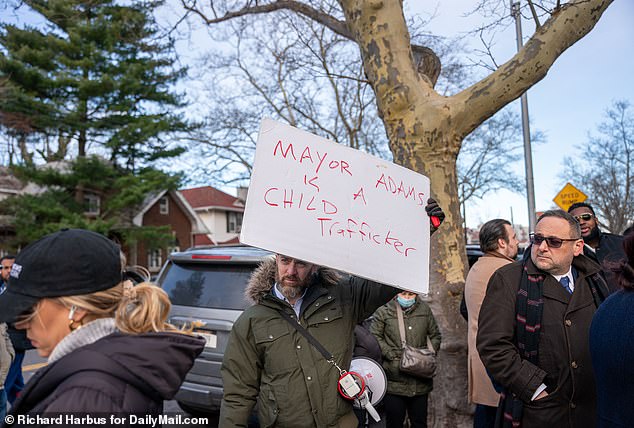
(405, 393)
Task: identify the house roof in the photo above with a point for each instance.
(207, 197)
(203, 239)
(151, 199)
(235, 240)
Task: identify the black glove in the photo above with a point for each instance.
(434, 210)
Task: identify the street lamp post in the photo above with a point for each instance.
(528, 157)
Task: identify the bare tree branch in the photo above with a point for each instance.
(530, 64)
(326, 20)
(428, 62)
(425, 129)
(534, 13)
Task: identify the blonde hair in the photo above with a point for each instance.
(142, 308)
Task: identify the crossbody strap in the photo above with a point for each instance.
(401, 328)
(295, 324)
(401, 324)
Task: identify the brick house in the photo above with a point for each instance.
(160, 209)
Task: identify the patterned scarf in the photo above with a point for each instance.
(529, 308)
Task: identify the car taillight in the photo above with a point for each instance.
(210, 257)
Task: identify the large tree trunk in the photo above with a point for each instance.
(419, 125)
(426, 131)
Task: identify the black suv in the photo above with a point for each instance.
(206, 287)
(473, 253)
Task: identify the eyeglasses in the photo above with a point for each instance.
(551, 241)
(584, 217)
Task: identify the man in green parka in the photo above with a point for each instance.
(269, 361)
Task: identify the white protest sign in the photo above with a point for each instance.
(315, 200)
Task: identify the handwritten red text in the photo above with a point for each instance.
(400, 189)
(358, 229)
(306, 156)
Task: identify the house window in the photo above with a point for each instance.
(92, 204)
(154, 259)
(173, 249)
(234, 222)
(164, 205)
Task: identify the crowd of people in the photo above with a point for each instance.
(542, 344)
(529, 341)
(296, 380)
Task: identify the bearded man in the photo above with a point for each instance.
(269, 361)
(499, 244)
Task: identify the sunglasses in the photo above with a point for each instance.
(551, 241)
(584, 217)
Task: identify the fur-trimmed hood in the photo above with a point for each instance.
(263, 278)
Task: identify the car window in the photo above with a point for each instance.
(208, 285)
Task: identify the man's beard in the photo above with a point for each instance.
(294, 291)
(592, 235)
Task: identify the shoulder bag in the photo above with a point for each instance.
(418, 362)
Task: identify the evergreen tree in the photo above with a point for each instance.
(96, 78)
(99, 78)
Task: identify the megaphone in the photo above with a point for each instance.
(374, 377)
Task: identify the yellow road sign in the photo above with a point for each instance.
(568, 196)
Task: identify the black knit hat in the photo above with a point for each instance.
(70, 262)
